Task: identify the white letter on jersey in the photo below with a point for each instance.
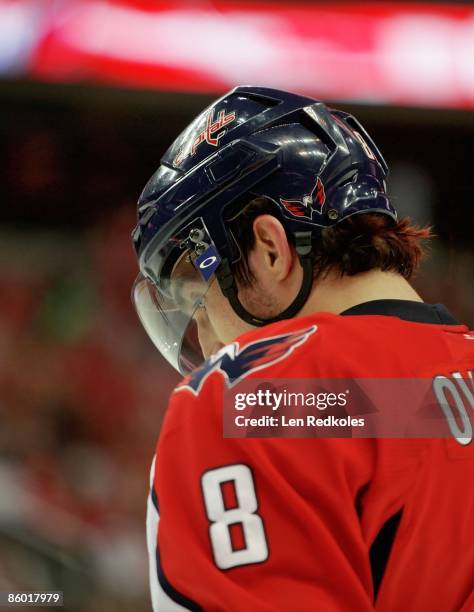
(441, 384)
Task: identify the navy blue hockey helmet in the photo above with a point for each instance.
(318, 165)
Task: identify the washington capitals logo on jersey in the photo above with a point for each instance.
(314, 201)
(235, 363)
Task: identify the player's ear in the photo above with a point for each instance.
(272, 254)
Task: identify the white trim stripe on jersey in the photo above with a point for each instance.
(160, 601)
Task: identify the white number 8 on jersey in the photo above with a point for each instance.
(244, 514)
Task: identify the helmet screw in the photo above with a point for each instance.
(333, 214)
(196, 235)
(200, 248)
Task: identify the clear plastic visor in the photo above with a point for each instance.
(169, 313)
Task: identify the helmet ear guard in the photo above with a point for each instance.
(318, 165)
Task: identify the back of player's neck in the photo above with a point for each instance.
(336, 294)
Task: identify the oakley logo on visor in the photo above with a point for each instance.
(208, 262)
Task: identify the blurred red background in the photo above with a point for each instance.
(82, 390)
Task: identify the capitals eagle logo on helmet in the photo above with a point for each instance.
(314, 201)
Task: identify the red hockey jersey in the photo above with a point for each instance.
(269, 524)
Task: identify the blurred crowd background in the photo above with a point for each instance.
(82, 390)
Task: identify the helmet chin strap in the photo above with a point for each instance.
(229, 288)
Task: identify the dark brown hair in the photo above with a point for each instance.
(360, 243)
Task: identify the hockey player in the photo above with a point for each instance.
(269, 248)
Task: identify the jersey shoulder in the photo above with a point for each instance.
(325, 345)
(267, 351)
